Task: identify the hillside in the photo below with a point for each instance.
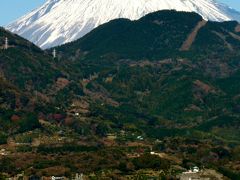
(148, 37)
(26, 75)
(25, 64)
(141, 66)
(168, 82)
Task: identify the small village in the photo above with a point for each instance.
(136, 141)
(23, 177)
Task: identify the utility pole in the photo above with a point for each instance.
(6, 43)
(54, 53)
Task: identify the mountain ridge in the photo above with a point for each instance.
(53, 24)
(123, 37)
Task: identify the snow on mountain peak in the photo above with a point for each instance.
(60, 21)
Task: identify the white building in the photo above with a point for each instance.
(195, 169)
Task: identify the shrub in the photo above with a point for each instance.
(150, 161)
(6, 165)
(3, 138)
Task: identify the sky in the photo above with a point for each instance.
(10, 10)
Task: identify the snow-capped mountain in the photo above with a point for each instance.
(60, 21)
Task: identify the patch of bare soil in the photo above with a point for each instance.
(61, 83)
(237, 29)
(221, 36)
(102, 95)
(41, 96)
(3, 47)
(144, 63)
(192, 36)
(205, 87)
(193, 107)
(80, 106)
(109, 79)
(55, 171)
(235, 36)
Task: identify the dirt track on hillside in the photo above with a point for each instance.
(237, 29)
(191, 37)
